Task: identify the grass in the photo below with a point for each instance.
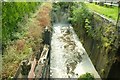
(106, 11)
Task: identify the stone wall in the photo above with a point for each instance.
(101, 56)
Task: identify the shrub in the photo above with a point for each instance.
(80, 14)
(87, 76)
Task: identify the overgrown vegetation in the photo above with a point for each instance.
(87, 76)
(12, 13)
(29, 39)
(23, 36)
(100, 34)
(79, 14)
(82, 18)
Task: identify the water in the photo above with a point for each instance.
(68, 57)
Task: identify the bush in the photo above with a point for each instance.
(80, 14)
(12, 13)
(87, 76)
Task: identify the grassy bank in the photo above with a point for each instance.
(29, 42)
(107, 11)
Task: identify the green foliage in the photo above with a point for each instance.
(86, 76)
(80, 14)
(29, 41)
(104, 33)
(109, 35)
(12, 13)
(11, 59)
(88, 28)
(63, 5)
(96, 29)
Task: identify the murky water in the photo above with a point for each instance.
(68, 57)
